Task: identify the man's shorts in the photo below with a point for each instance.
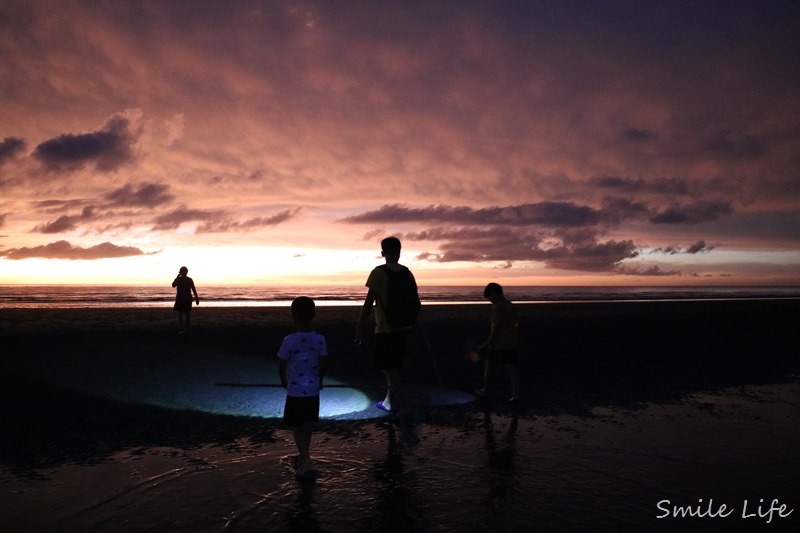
(301, 410)
(507, 357)
(390, 349)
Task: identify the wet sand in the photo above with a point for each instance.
(626, 406)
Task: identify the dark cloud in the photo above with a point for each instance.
(218, 221)
(122, 226)
(217, 226)
(667, 186)
(615, 210)
(65, 250)
(569, 249)
(616, 183)
(477, 244)
(245, 178)
(3, 219)
(147, 195)
(699, 246)
(589, 257)
(10, 147)
(674, 186)
(66, 222)
(637, 135)
(668, 250)
(727, 144)
(654, 270)
(57, 206)
(561, 235)
(173, 219)
(548, 214)
(107, 149)
(696, 248)
(694, 213)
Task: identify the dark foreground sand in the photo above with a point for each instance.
(627, 406)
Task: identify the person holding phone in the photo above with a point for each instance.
(183, 299)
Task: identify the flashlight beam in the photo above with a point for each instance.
(278, 385)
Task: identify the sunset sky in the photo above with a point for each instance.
(525, 142)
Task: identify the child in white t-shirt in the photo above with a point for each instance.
(301, 367)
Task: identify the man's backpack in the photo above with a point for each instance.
(402, 304)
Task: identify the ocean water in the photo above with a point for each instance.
(93, 296)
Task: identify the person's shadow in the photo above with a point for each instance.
(398, 508)
(301, 516)
(501, 458)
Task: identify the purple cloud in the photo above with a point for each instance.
(637, 135)
(65, 250)
(66, 222)
(147, 195)
(10, 147)
(107, 149)
(654, 270)
(589, 257)
(217, 226)
(667, 186)
(569, 249)
(550, 214)
(699, 246)
(727, 144)
(693, 213)
(56, 206)
(173, 219)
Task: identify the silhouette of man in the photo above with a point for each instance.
(390, 340)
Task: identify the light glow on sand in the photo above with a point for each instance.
(188, 381)
(200, 380)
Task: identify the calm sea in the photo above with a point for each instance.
(77, 296)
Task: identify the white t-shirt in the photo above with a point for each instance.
(302, 350)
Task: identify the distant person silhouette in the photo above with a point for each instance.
(183, 299)
(301, 367)
(393, 292)
(502, 341)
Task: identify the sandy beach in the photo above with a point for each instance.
(630, 410)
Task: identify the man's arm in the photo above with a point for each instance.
(366, 309)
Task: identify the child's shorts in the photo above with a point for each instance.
(507, 357)
(390, 349)
(301, 410)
